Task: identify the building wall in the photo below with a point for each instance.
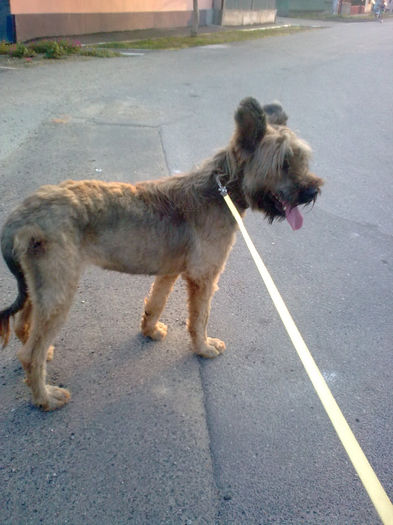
(242, 17)
(49, 18)
(248, 12)
(103, 6)
(286, 7)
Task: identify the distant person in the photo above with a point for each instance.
(379, 9)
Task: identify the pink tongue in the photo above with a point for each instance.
(294, 217)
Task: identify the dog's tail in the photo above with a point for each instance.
(13, 264)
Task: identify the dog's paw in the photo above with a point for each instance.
(212, 348)
(157, 333)
(56, 397)
(49, 355)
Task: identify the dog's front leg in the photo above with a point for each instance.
(200, 292)
(154, 305)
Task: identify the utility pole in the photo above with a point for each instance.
(223, 6)
(195, 18)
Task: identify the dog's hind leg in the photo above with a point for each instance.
(23, 322)
(200, 292)
(23, 325)
(52, 276)
(47, 319)
(33, 358)
(154, 305)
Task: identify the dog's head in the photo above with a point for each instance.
(275, 165)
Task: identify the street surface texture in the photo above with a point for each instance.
(154, 434)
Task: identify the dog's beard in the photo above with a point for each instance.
(277, 207)
(270, 205)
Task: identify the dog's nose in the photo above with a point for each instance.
(307, 195)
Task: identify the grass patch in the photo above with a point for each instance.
(100, 53)
(61, 48)
(53, 49)
(203, 39)
(16, 50)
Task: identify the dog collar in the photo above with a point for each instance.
(222, 189)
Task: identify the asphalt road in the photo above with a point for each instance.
(154, 434)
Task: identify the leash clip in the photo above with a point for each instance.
(222, 189)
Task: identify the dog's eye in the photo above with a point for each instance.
(285, 166)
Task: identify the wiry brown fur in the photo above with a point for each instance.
(179, 225)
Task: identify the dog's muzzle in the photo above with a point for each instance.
(307, 195)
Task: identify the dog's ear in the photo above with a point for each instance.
(250, 124)
(275, 114)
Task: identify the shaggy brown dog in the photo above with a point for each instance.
(179, 225)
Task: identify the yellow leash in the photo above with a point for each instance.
(367, 475)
